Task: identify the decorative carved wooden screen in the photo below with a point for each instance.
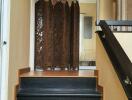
(75, 13)
(56, 34)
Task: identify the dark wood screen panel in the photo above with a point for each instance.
(39, 32)
(48, 35)
(56, 34)
(75, 12)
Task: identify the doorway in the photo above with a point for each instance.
(88, 16)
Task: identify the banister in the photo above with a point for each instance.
(117, 55)
(116, 22)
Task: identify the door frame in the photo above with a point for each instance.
(4, 44)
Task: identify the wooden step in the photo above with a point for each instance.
(80, 73)
(59, 85)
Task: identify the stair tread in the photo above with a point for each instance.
(80, 73)
(58, 92)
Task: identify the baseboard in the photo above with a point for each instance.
(87, 67)
(20, 72)
(23, 70)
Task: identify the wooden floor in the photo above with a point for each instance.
(80, 73)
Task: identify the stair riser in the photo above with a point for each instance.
(77, 83)
(59, 98)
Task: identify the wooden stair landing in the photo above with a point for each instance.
(59, 85)
(80, 73)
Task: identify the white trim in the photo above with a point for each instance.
(5, 48)
(87, 1)
(98, 9)
(32, 33)
(124, 9)
(0, 46)
(97, 13)
(87, 67)
(119, 9)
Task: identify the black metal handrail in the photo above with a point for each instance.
(120, 25)
(117, 22)
(117, 55)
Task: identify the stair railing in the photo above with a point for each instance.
(118, 57)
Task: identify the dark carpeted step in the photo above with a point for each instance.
(59, 98)
(59, 92)
(58, 82)
(58, 88)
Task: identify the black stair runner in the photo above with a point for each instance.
(58, 88)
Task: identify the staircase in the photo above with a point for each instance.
(72, 87)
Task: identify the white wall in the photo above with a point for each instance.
(125, 40)
(19, 41)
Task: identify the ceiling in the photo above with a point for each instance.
(87, 1)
